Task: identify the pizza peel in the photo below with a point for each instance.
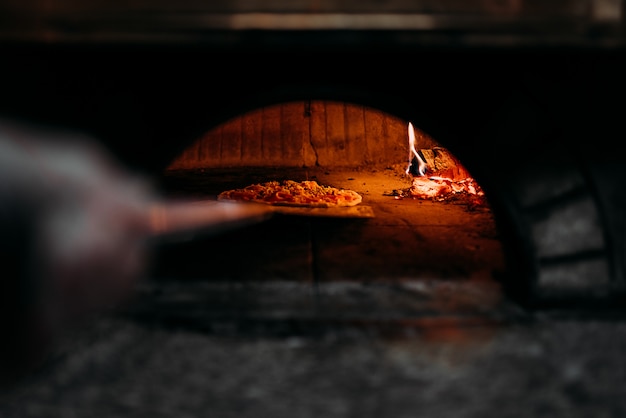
(180, 218)
(354, 211)
(357, 211)
(171, 219)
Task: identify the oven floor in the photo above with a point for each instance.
(406, 239)
(396, 316)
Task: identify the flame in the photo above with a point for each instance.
(421, 164)
(446, 178)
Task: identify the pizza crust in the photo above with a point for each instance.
(291, 193)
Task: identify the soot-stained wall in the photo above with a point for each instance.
(304, 134)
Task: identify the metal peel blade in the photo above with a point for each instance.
(173, 219)
(168, 219)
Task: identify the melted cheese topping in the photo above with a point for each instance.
(289, 192)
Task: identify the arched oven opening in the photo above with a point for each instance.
(327, 142)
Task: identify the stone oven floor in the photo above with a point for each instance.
(312, 338)
(407, 238)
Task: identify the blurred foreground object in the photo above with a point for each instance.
(72, 228)
(76, 230)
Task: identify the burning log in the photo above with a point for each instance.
(441, 176)
(441, 188)
(441, 163)
(445, 178)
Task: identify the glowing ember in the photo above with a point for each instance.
(447, 180)
(441, 188)
(414, 157)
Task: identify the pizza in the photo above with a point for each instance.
(293, 193)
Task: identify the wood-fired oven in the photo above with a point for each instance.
(527, 98)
